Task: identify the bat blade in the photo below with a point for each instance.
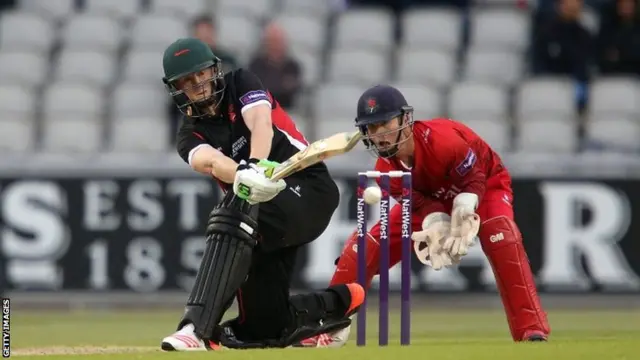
(316, 152)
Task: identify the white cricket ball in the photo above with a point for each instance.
(372, 195)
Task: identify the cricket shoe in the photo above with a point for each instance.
(185, 339)
(535, 336)
(338, 338)
(335, 339)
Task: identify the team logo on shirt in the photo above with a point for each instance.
(253, 97)
(467, 164)
(372, 105)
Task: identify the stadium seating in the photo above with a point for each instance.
(54, 9)
(23, 68)
(431, 67)
(155, 32)
(320, 9)
(615, 97)
(545, 97)
(240, 35)
(495, 132)
(304, 31)
(142, 66)
(468, 100)
(435, 29)
(144, 133)
(134, 99)
(255, 9)
(17, 118)
(182, 8)
(500, 67)
(92, 32)
(427, 101)
(341, 97)
(547, 135)
(118, 9)
(310, 63)
(500, 29)
(95, 67)
(354, 29)
(360, 66)
(24, 31)
(614, 133)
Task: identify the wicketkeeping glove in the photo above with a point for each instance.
(428, 242)
(465, 224)
(252, 183)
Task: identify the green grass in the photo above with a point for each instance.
(441, 335)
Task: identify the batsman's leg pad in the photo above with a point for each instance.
(231, 237)
(502, 243)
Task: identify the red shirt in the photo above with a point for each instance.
(449, 158)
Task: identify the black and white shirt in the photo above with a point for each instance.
(227, 131)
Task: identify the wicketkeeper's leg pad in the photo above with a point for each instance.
(502, 243)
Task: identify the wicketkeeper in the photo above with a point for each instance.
(234, 131)
(461, 190)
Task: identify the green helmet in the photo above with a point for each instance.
(193, 76)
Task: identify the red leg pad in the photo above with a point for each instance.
(501, 241)
(347, 267)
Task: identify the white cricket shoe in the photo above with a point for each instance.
(329, 340)
(185, 339)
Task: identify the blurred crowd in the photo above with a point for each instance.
(564, 41)
(578, 39)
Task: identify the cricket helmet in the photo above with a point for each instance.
(377, 106)
(186, 57)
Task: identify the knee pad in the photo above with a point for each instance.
(502, 243)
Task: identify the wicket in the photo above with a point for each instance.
(385, 231)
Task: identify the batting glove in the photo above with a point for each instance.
(252, 183)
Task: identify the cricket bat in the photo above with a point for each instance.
(316, 152)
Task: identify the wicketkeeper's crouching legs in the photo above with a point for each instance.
(502, 244)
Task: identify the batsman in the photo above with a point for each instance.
(234, 131)
(461, 190)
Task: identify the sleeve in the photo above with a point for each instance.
(250, 90)
(189, 140)
(459, 161)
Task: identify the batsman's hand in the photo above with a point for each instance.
(428, 242)
(465, 224)
(252, 183)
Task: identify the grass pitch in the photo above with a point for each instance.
(442, 335)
